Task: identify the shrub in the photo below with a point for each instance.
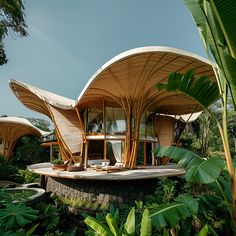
(7, 170)
(28, 176)
(57, 162)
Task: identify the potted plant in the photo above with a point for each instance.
(59, 164)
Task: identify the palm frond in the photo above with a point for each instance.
(171, 214)
(201, 89)
(216, 24)
(198, 169)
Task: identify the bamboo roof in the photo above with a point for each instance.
(35, 98)
(16, 126)
(134, 74)
(130, 75)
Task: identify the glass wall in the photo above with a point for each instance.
(115, 120)
(94, 120)
(147, 126)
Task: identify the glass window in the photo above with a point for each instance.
(140, 154)
(115, 120)
(94, 120)
(142, 129)
(150, 127)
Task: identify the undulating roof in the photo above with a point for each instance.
(130, 75)
(34, 97)
(135, 73)
(14, 127)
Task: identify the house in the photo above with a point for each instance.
(119, 114)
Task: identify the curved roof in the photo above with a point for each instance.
(34, 97)
(130, 75)
(134, 73)
(15, 127)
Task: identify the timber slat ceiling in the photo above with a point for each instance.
(12, 128)
(136, 72)
(132, 74)
(69, 127)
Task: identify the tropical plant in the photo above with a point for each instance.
(111, 225)
(48, 216)
(14, 216)
(11, 20)
(215, 20)
(28, 176)
(165, 192)
(57, 161)
(205, 92)
(213, 199)
(27, 151)
(7, 170)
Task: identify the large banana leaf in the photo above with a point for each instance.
(202, 89)
(198, 169)
(170, 214)
(216, 22)
(130, 222)
(146, 224)
(98, 227)
(112, 224)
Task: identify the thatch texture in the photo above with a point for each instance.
(68, 128)
(13, 128)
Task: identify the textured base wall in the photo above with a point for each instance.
(102, 192)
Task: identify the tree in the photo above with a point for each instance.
(205, 92)
(40, 123)
(216, 22)
(12, 21)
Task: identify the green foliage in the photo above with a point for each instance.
(48, 216)
(13, 216)
(146, 224)
(165, 192)
(7, 170)
(40, 123)
(28, 151)
(202, 89)
(215, 21)
(111, 226)
(28, 176)
(57, 161)
(170, 214)
(82, 204)
(130, 222)
(198, 169)
(11, 20)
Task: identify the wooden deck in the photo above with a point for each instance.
(143, 172)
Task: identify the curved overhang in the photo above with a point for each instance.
(134, 74)
(36, 98)
(17, 127)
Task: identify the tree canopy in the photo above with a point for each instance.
(12, 21)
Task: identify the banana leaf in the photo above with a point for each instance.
(146, 224)
(112, 225)
(171, 214)
(198, 169)
(201, 89)
(216, 22)
(130, 222)
(98, 227)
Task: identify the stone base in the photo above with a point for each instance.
(104, 193)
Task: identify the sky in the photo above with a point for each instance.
(69, 40)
